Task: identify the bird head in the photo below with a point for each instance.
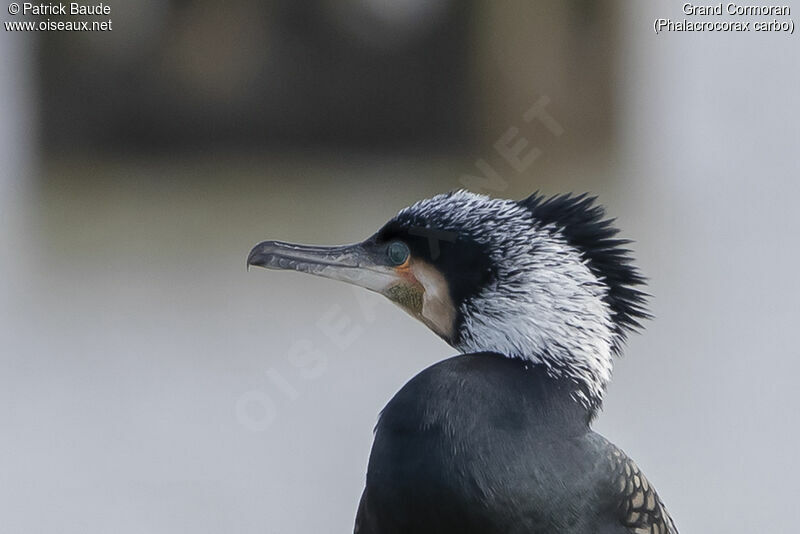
(542, 279)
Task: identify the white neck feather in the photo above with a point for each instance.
(546, 307)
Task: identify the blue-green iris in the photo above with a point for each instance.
(398, 252)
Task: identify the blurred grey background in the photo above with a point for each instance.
(148, 383)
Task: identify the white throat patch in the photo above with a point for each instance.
(437, 307)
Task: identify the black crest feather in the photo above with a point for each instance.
(581, 221)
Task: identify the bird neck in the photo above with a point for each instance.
(472, 391)
(582, 364)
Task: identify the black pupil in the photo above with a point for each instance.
(398, 253)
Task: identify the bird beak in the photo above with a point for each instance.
(353, 264)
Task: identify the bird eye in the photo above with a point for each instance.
(398, 252)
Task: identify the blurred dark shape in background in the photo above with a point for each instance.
(429, 75)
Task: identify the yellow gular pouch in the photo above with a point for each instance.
(407, 296)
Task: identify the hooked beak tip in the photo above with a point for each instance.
(258, 255)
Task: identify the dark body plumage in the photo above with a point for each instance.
(484, 444)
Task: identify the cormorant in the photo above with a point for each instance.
(538, 296)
